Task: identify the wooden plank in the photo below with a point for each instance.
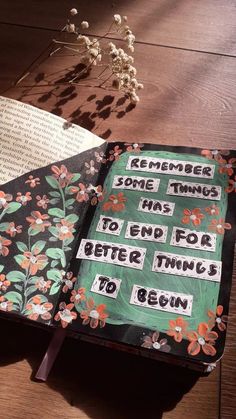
(19, 48)
(89, 381)
(189, 98)
(228, 374)
(207, 25)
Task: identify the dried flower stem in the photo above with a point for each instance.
(92, 51)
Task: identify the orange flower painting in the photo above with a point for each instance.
(81, 191)
(4, 283)
(115, 203)
(217, 318)
(65, 315)
(42, 201)
(4, 243)
(178, 329)
(33, 182)
(212, 210)
(12, 229)
(4, 199)
(62, 175)
(65, 229)
(232, 185)
(202, 340)
(214, 154)
(227, 166)
(38, 221)
(78, 295)
(134, 148)
(23, 198)
(219, 226)
(33, 261)
(94, 315)
(5, 305)
(115, 153)
(153, 342)
(192, 216)
(36, 309)
(69, 280)
(43, 285)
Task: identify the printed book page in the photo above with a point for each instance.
(31, 138)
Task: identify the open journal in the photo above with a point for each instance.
(125, 245)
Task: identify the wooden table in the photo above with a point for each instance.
(186, 58)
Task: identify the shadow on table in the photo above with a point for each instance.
(101, 382)
(87, 106)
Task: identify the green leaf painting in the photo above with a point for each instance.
(14, 297)
(55, 253)
(54, 288)
(16, 276)
(52, 182)
(12, 207)
(4, 226)
(72, 218)
(38, 246)
(57, 212)
(75, 177)
(22, 246)
(54, 275)
(19, 259)
(54, 194)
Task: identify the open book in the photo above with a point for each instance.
(126, 245)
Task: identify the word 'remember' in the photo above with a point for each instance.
(178, 167)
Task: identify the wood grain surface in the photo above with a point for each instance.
(88, 381)
(189, 99)
(19, 48)
(207, 25)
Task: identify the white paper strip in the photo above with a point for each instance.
(106, 285)
(170, 167)
(143, 231)
(109, 225)
(118, 254)
(169, 301)
(156, 206)
(194, 190)
(136, 183)
(170, 263)
(192, 239)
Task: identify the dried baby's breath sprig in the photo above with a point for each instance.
(118, 65)
(70, 28)
(117, 19)
(73, 12)
(124, 72)
(84, 24)
(125, 31)
(91, 51)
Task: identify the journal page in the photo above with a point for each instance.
(155, 266)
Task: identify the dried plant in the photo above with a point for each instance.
(117, 66)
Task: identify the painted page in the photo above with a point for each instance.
(155, 261)
(42, 211)
(31, 138)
